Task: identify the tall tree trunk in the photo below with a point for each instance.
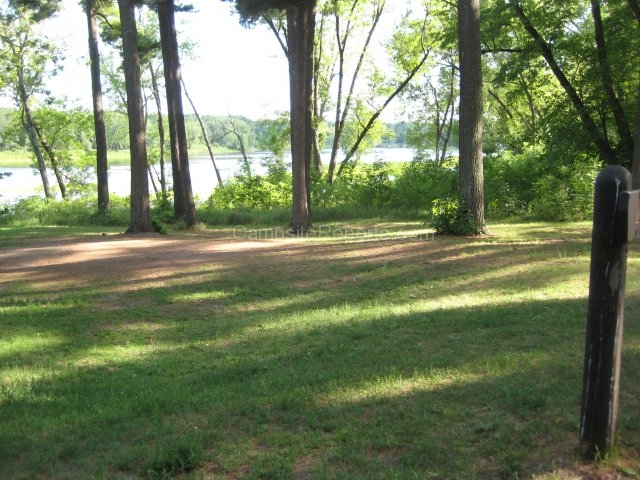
(470, 111)
(161, 139)
(28, 124)
(301, 28)
(102, 167)
(140, 208)
(184, 203)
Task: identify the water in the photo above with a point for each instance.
(25, 182)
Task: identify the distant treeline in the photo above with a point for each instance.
(221, 132)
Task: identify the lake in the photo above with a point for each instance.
(24, 182)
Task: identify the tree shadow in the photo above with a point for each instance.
(281, 366)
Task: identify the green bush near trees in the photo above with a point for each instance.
(531, 185)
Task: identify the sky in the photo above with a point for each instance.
(235, 70)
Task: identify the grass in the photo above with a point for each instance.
(382, 352)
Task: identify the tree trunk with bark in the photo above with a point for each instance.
(55, 165)
(624, 148)
(184, 205)
(161, 135)
(301, 27)
(470, 110)
(140, 208)
(102, 168)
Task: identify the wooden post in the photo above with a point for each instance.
(603, 344)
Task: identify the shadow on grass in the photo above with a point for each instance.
(271, 364)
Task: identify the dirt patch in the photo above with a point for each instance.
(108, 258)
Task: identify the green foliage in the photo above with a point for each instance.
(568, 195)
(82, 211)
(422, 182)
(540, 185)
(366, 185)
(253, 191)
(162, 212)
(448, 216)
(509, 181)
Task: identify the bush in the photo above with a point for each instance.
(540, 185)
(568, 195)
(252, 191)
(422, 182)
(447, 216)
(509, 179)
(365, 185)
(32, 211)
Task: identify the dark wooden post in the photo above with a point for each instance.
(605, 316)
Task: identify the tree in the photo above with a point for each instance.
(102, 168)
(184, 206)
(300, 37)
(140, 220)
(592, 62)
(471, 167)
(25, 62)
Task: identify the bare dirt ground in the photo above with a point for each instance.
(114, 257)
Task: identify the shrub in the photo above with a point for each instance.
(365, 185)
(252, 191)
(567, 195)
(422, 182)
(81, 211)
(447, 216)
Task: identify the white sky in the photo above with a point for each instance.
(236, 70)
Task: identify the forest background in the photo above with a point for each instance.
(560, 97)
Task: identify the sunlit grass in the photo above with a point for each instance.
(392, 355)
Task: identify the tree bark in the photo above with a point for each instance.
(140, 220)
(470, 110)
(161, 135)
(102, 167)
(301, 28)
(184, 206)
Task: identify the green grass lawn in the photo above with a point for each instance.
(367, 352)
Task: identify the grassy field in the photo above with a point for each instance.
(367, 351)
